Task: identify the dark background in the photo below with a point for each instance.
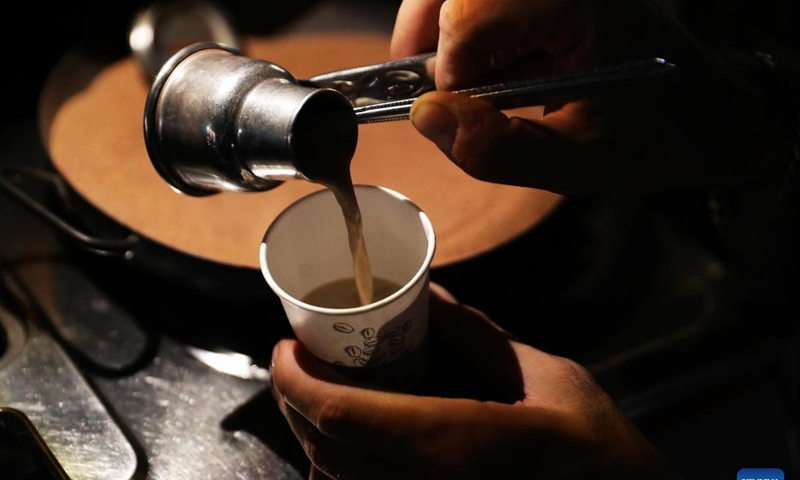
(101, 27)
(712, 419)
(47, 30)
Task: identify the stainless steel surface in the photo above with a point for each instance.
(41, 381)
(231, 363)
(162, 413)
(164, 27)
(112, 394)
(178, 408)
(217, 120)
(15, 336)
(406, 78)
(84, 318)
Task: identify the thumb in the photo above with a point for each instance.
(491, 146)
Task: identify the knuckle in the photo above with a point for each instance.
(453, 16)
(312, 451)
(319, 456)
(448, 13)
(332, 416)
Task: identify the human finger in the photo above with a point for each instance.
(478, 36)
(427, 434)
(331, 459)
(461, 338)
(335, 459)
(416, 28)
(551, 153)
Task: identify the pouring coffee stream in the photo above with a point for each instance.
(342, 188)
(216, 120)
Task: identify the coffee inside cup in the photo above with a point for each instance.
(343, 293)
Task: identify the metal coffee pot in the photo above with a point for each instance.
(216, 120)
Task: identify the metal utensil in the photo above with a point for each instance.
(217, 120)
(164, 27)
(385, 92)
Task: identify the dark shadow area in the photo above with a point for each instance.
(261, 418)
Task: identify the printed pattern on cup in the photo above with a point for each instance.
(373, 348)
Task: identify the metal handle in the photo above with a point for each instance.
(385, 92)
(379, 83)
(109, 246)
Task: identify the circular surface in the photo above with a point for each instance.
(95, 138)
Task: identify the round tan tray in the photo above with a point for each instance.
(91, 120)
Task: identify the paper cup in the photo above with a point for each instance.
(306, 246)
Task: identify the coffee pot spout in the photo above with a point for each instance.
(216, 120)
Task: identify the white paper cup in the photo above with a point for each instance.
(307, 246)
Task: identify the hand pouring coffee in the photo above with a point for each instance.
(216, 120)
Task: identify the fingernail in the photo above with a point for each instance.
(436, 123)
(272, 358)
